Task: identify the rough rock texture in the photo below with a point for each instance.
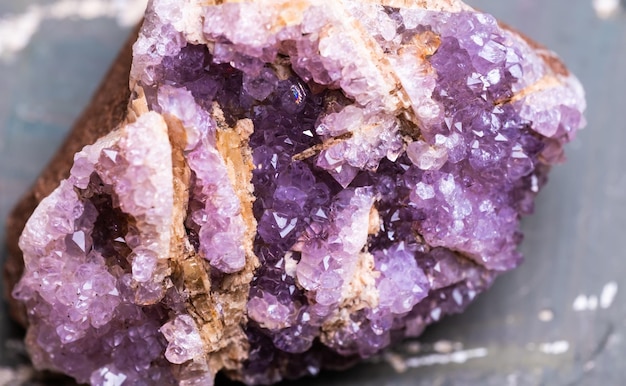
(296, 184)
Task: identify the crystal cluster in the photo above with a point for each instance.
(297, 184)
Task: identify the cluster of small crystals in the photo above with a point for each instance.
(476, 167)
(468, 163)
(393, 156)
(93, 281)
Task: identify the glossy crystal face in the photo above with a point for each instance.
(299, 195)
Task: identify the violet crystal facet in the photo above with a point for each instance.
(297, 184)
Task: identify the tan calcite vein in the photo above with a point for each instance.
(436, 5)
(190, 272)
(353, 29)
(546, 82)
(316, 149)
(556, 72)
(219, 314)
(439, 5)
(360, 292)
(232, 294)
(375, 221)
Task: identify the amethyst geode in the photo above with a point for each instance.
(296, 184)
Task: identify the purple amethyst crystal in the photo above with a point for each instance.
(298, 184)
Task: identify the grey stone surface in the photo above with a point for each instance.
(536, 326)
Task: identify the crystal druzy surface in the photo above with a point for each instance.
(298, 184)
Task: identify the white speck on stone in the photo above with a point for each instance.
(396, 362)
(592, 302)
(512, 379)
(413, 347)
(606, 8)
(608, 294)
(446, 346)
(554, 348)
(16, 376)
(461, 356)
(17, 30)
(545, 315)
(585, 303)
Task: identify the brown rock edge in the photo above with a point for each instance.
(107, 109)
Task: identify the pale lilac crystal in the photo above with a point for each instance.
(392, 153)
(214, 211)
(89, 289)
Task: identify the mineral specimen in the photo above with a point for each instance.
(296, 184)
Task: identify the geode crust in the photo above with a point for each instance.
(296, 184)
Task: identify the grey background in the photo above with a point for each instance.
(573, 243)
